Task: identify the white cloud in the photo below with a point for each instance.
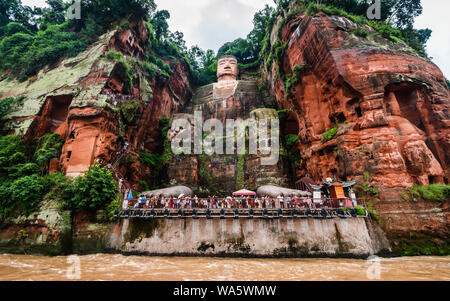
(211, 23)
(33, 3)
(435, 17)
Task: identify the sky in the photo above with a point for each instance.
(211, 23)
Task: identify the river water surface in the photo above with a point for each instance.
(141, 268)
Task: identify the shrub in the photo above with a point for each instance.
(12, 152)
(111, 209)
(365, 189)
(26, 192)
(161, 64)
(129, 110)
(329, 134)
(360, 32)
(291, 140)
(153, 160)
(374, 214)
(433, 192)
(143, 185)
(151, 69)
(24, 54)
(95, 189)
(360, 211)
(49, 147)
(114, 55)
(8, 104)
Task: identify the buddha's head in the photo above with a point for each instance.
(227, 68)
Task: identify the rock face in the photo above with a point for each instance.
(48, 231)
(105, 112)
(389, 106)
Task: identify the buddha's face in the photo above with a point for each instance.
(227, 69)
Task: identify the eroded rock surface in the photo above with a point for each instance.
(389, 105)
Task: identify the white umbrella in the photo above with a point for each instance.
(181, 195)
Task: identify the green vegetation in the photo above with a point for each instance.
(114, 55)
(365, 189)
(374, 214)
(25, 182)
(359, 32)
(23, 54)
(8, 104)
(92, 191)
(49, 147)
(360, 211)
(31, 39)
(156, 66)
(240, 178)
(397, 19)
(22, 185)
(129, 110)
(293, 79)
(329, 134)
(291, 140)
(159, 161)
(293, 155)
(434, 192)
(421, 247)
(204, 175)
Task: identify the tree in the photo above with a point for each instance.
(94, 190)
(26, 192)
(178, 39)
(49, 147)
(160, 25)
(13, 11)
(53, 15)
(261, 21)
(12, 152)
(402, 12)
(242, 49)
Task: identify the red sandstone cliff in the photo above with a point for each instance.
(99, 107)
(391, 108)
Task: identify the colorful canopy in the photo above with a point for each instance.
(244, 192)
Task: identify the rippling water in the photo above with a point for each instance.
(118, 267)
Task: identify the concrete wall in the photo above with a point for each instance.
(355, 237)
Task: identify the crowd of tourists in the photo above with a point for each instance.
(237, 202)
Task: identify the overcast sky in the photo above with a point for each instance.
(211, 23)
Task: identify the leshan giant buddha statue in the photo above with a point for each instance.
(229, 98)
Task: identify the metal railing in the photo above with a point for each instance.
(240, 213)
(226, 203)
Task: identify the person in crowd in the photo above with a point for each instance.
(309, 203)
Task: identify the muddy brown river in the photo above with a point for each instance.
(140, 268)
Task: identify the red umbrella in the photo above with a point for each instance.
(244, 192)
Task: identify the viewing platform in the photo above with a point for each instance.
(319, 213)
